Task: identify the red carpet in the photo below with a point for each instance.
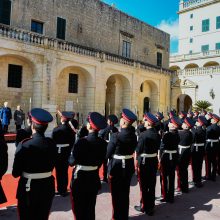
(9, 184)
(10, 137)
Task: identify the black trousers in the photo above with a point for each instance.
(147, 179)
(197, 160)
(3, 198)
(36, 204)
(5, 128)
(61, 168)
(120, 190)
(182, 169)
(218, 160)
(211, 162)
(105, 170)
(84, 191)
(18, 127)
(167, 176)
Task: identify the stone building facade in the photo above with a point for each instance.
(103, 78)
(197, 64)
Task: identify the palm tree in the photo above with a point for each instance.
(202, 105)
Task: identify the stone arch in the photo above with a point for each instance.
(174, 68)
(148, 97)
(18, 96)
(118, 94)
(191, 65)
(184, 103)
(211, 63)
(82, 101)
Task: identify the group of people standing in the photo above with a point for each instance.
(168, 146)
(6, 116)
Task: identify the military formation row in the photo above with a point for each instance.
(168, 145)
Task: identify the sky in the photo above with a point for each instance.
(159, 13)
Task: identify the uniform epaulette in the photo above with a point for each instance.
(26, 139)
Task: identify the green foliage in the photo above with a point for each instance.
(202, 105)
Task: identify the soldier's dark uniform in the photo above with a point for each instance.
(168, 160)
(3, 164)
(33, 163)
(121, 165)
(185, 143)
(87, 156)
(64, 137)
(159, 125)
(212, 146)
(147, 149)
(198, 150)
(106, 135)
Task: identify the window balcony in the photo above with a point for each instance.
(195, 56)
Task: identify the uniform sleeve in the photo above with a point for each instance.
(111, 146)
(140, 145)
(18, 162)
(75, 153)
(101, 133)
(3, 158)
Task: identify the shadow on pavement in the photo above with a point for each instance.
(187, 205)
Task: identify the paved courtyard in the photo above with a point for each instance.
(198, 204)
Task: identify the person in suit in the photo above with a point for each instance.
(24, 133)
(19, 117)
(87, 155)
(34, 161)
(146, 152)
(5, 116)
(3, 164)
(64, 137)
(120, 152)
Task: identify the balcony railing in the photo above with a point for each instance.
(198, 71)
(194, 3)
(195, 56)
(30, 38)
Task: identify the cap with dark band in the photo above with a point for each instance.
(97, 121)
(202, 120)
(216, 117)
(113, 119)
(67, 115)
(159, 115)
(40, 116)
(175, 121)
(73, 114)
(128, 115)
(150, 118)
(183, 114)
(172, 114)
(190, 123)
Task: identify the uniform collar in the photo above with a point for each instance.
(37, 135)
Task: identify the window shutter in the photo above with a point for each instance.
(5, 11)
(61, 28)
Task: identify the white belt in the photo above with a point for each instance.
(182, 147)
(60, 146)
(84, 168)
(212, 141)
(198, 145)
(34, 176)
(123, 158)
(147, 156)
(170, 152)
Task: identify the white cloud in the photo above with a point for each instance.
(171, 27)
